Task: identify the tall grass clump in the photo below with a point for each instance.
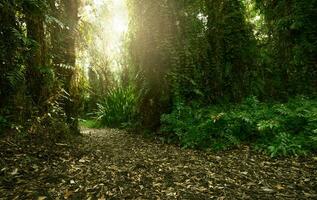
(118, 108)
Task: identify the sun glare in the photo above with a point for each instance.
(120, 17)
(98, 2)
(119, 24)
(111, 19)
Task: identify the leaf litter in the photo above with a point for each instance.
(113, 164)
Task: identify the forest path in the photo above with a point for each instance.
(113, 164)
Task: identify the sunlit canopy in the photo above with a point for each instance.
(110, 21)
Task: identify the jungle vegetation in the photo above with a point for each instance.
(205, 74)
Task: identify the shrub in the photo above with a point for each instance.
(118, 109)
(278, 129)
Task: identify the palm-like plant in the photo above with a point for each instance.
(117, 108)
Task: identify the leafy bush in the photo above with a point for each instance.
(52, 124)
(118, 109)
(278, 129)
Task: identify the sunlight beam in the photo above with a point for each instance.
(109, 19)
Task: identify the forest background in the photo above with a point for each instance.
(200, 73)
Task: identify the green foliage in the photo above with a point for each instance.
(118, 109)
(213, 53)
(221, 51)
(33, 82)
(16, 77)
(88, 123)
(286, 144)
(288, 48)
(279, 129)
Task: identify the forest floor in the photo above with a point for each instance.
(113, 164)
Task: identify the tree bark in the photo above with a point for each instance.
(36, 60)
(71, 19)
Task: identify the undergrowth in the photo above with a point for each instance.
(279, 129)
(117, 109)
(88, 123)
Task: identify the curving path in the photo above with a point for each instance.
(112, 164)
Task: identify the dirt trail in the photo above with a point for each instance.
(112, 164)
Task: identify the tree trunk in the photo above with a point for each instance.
(71, 19)
(36, 60)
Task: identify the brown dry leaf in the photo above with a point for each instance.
(68, 193)
(14, 172)
(202, 189)
(265, 189)
(309, 195)
(102, 197)
(106, 165)
(279, 187)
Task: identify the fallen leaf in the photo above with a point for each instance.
(279, 187)
(68, 193)
(102, 197)
(309, 195)
(14, 172)
(41, 198)
(265, 189)
(61, 144)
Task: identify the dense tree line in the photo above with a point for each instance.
(38, 79)
(289, 49)
(209, 51)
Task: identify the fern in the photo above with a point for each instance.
(279, 129)
(16, 77)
